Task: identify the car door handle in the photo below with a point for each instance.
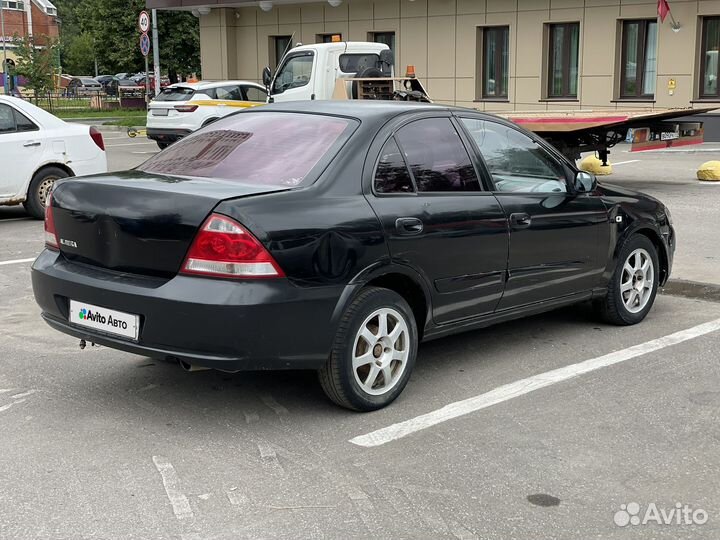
(520, 220)
(408, 226)
(31, 143)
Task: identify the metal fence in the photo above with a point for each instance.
(82, 100)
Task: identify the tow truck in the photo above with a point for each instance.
(363, 70)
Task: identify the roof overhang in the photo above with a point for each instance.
(195, 4)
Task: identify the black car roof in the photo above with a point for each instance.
(370, 109)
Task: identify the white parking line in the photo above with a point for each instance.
(178, 500)
(16, 261)
(626, 162)
(525, 386)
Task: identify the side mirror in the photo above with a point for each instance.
(585, 182)
(267, 77)
(387, 59)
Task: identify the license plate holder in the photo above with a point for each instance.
(108, 321)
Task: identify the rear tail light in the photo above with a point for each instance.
(186, 108)
(224, 248)
(51, 240)
(97, 138)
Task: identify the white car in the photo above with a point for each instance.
(182, 108)
(37, 148)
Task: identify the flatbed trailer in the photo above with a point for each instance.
(574, 132)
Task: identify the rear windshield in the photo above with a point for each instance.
(278, 149)
(89, 82)
(175, 94)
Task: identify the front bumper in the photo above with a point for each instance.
(220, 324)
(167, 135)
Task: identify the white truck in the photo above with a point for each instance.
(341, 70)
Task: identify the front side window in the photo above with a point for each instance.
(564, 45)
(295, 73)
(253, 93)
(7, 119)
(392, 174)
(268, 148)
(437, 157)
(495, 62)
(639, 59)
(709, 58)
(515, 162)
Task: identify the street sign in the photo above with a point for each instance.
(145, 44)
(144, 22)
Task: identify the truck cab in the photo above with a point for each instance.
(310, 72)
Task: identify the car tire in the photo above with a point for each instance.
(633, 286)
(366, 350)
(163, 145)
(39, 189)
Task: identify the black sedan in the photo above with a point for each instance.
(336, 236)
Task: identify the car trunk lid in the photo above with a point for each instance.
(137, 222)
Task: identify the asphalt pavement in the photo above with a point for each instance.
(555, 426)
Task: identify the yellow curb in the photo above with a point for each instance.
(593, 165)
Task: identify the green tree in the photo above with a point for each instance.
(78, 54)
(112, 25)
(35, 62)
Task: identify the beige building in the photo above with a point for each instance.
(492, 55)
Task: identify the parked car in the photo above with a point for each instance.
(83, 86)
(183, 108)
(337, 236)
(37, 149)
(108, 83)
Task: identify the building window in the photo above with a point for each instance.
(639, 59)
(13, 4)
(328, 38)
(564, 46)
(495, 61)
(388, 38)
(279, 45)
(709, 59)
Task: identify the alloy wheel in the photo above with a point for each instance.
(380, 351)
(636, 282)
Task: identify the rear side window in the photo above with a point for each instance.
(357, 63)
(392, 175)
(437, 157)
(279, 149)
(175, 94)
(23, 123)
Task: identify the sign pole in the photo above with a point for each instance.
(156, 51)
(147, 81)
(2, 24)
(144, 26)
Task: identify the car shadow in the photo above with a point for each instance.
(174, 395)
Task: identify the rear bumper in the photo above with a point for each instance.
(221, 324)
(168, 135)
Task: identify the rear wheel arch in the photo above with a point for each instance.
(400, 279)
(34, 206)
(410, 290)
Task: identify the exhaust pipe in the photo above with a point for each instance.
(190, 367)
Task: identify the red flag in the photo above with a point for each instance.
(663, 9)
